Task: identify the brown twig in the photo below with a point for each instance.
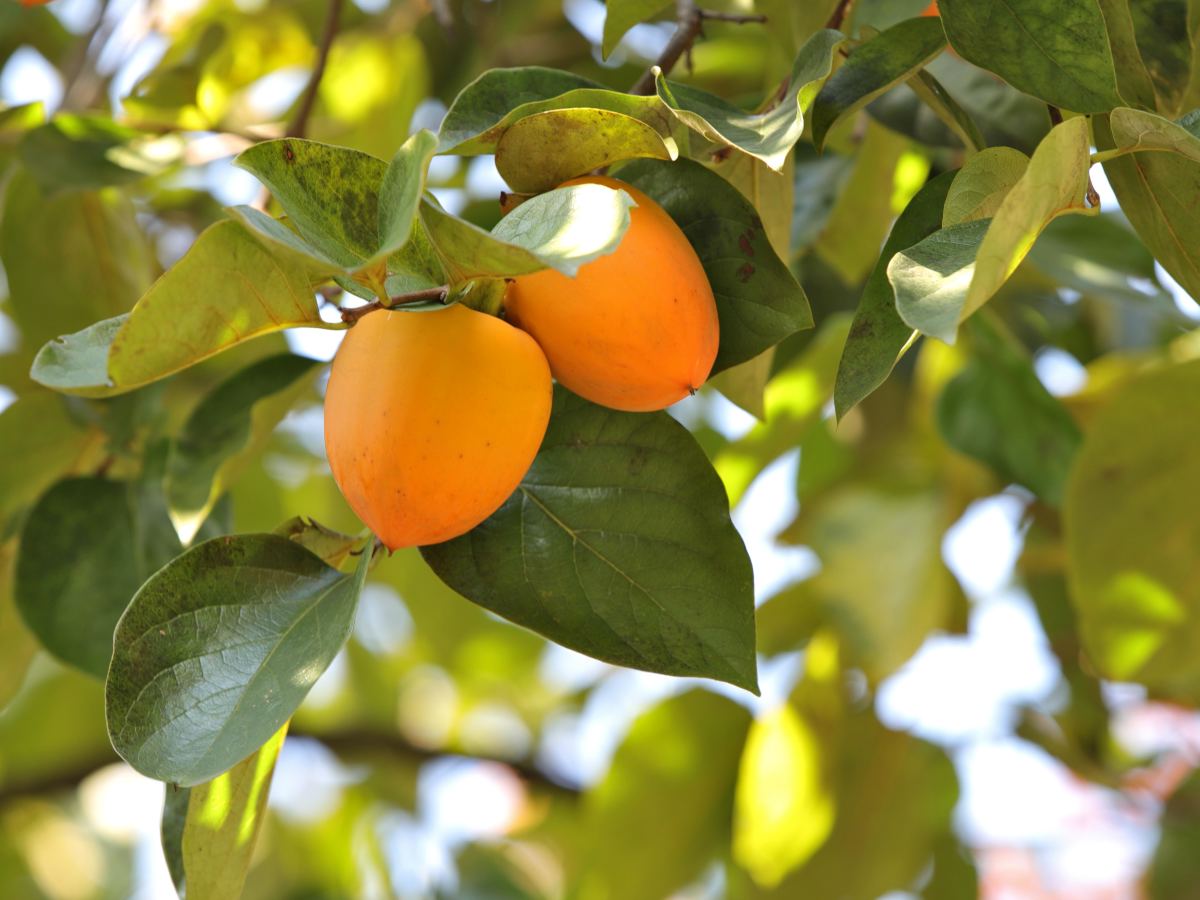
(1091, 196)
(300, 124)
(354, 313)
(839, 15)
(690, 26)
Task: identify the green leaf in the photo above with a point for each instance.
(759, 301)
(934, 95)
(331, 546)
(52, 292)
(931, 278)
(982, 184)
(1131, 533)
(767, 136)
(225, 431)
(330, 194)
(621, 15)
(17, 645)
(41, 443)
(74, 151)
(222, 823)
(1133, 79)
(1172, 873)
(785, 808)
(883, 611)
(84, 552)
(617, 544)
(1156, 191)
(561, 229)
(218, 649)
(401, 190)
(878, 335)
(472, 124)
(484, 111)
(997, 411)
(1136, 131)
(945, 278)
(1057, 50)
(545, 149)
(680, 757)
(1162, 34)
(227, 289)
(864, 211)
(745, 383)
(174, 818)
(873, 67)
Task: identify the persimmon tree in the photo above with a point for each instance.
(860, 222)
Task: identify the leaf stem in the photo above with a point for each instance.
(690, 25)
(300, 124)
(354, 313)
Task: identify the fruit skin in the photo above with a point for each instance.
(432, 419)
(635, 330)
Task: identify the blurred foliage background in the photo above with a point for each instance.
(927, 726)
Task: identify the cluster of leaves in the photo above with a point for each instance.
(142, 546)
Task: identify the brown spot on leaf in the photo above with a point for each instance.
(288, 154)
(745, 272)
(744, 243)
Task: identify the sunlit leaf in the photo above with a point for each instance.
(1131, 535)
(1136, 131)
(561, 229)
(874, 66)
(617, 544)
(401, 190)
(543, 150)
(74, 151)
(228, 288)
(982, 184)
(680, 758)
(217, 650)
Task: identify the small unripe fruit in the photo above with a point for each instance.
(634, 330)
(432, 419)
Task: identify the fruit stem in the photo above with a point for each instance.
(429, 295)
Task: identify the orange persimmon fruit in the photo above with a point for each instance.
(634, 330)
(432, 419)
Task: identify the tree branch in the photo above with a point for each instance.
(354, 313)
(690, 26)
(839, 15)
(300, 124)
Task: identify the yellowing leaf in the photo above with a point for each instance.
(982, 184)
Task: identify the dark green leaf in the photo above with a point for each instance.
(218, 649)
(997, 411)
(617, 544)
(225, 430)
(1131, 533)
(1057, 50)
(873, 67)
(878, 335)
(759, 301)
(83, 555)
(766, 136)
(1162, 31)
(1174, 873)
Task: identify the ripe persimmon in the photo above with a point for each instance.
(432, 419)
(634, 330)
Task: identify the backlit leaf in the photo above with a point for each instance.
(621, 15)
(982, 184)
